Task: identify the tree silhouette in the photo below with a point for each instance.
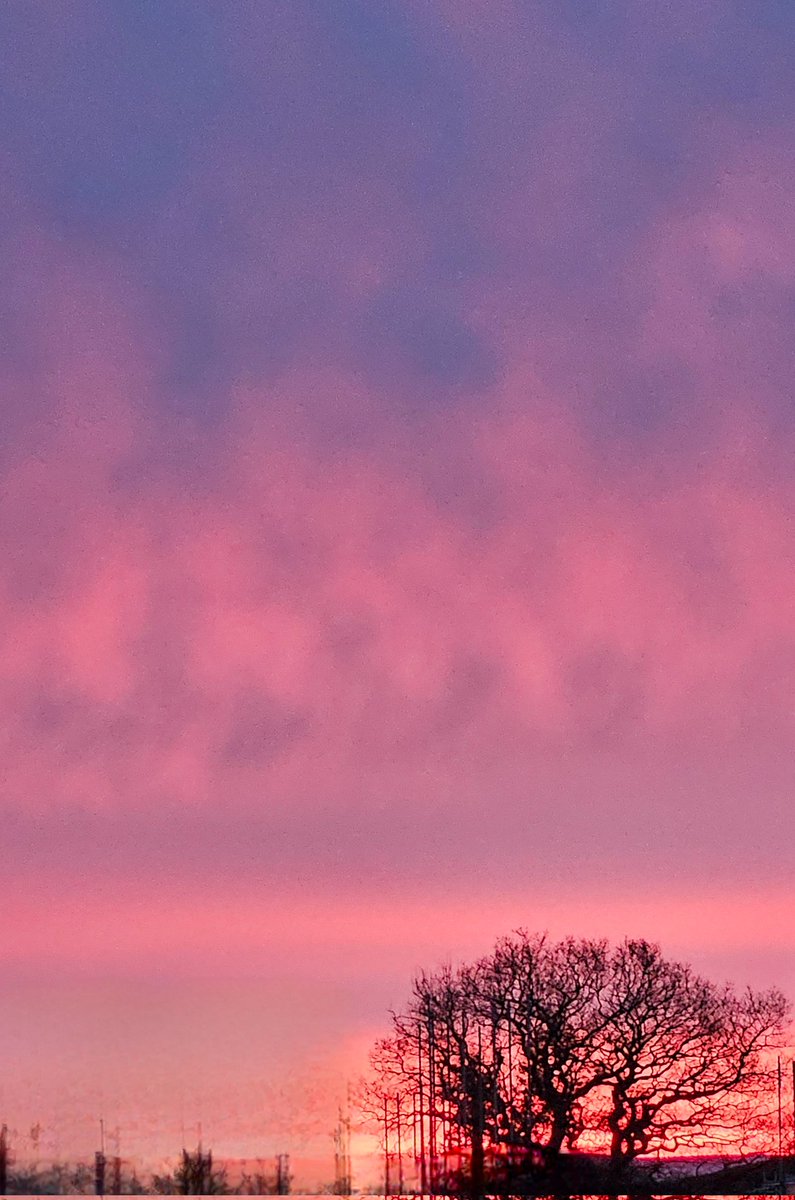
(685, 1056)
(544, 1047)
(194, 1176)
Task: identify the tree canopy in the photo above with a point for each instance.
(545, 1047)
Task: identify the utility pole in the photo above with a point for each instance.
(423, 1168)
(780, 1133)
(282, 1174)
(447, 1123)
(116, 1176)
(3, 1159)
(415, 1149)
(337, 1135)
(386, 1144)
(509, 1090)
(99, 1162)
(432, 1103)
(400, 1144)
(342, 1155)
(99, 1173)
(348, 1158)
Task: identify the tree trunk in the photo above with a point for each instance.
(558, 1134)
(621, 1158)
(477, 1180)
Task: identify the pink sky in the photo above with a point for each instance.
(397, 519)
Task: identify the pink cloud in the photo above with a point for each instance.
(336, 595)
(355, 676)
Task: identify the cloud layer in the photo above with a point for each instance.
(396, 479)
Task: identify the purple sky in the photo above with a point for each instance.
(396, 521)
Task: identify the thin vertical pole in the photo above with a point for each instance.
(447, 1126)
(348, 1141)
(99, 1173)
(509, 1088)
(3, 1158)
(431, 1102)
(399, 1144)
(339, 1155)
(414, 1127)
(386, 1145)
(780, 1130)
(423, 1171)
(481, 1097)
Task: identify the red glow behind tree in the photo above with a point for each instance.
(543, 1047)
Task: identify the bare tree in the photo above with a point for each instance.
(384, 1100)
(547, 997)
(257, 1183)
(685, 1058)
(541, 1044)
(443, 1045)
(194, 1176)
